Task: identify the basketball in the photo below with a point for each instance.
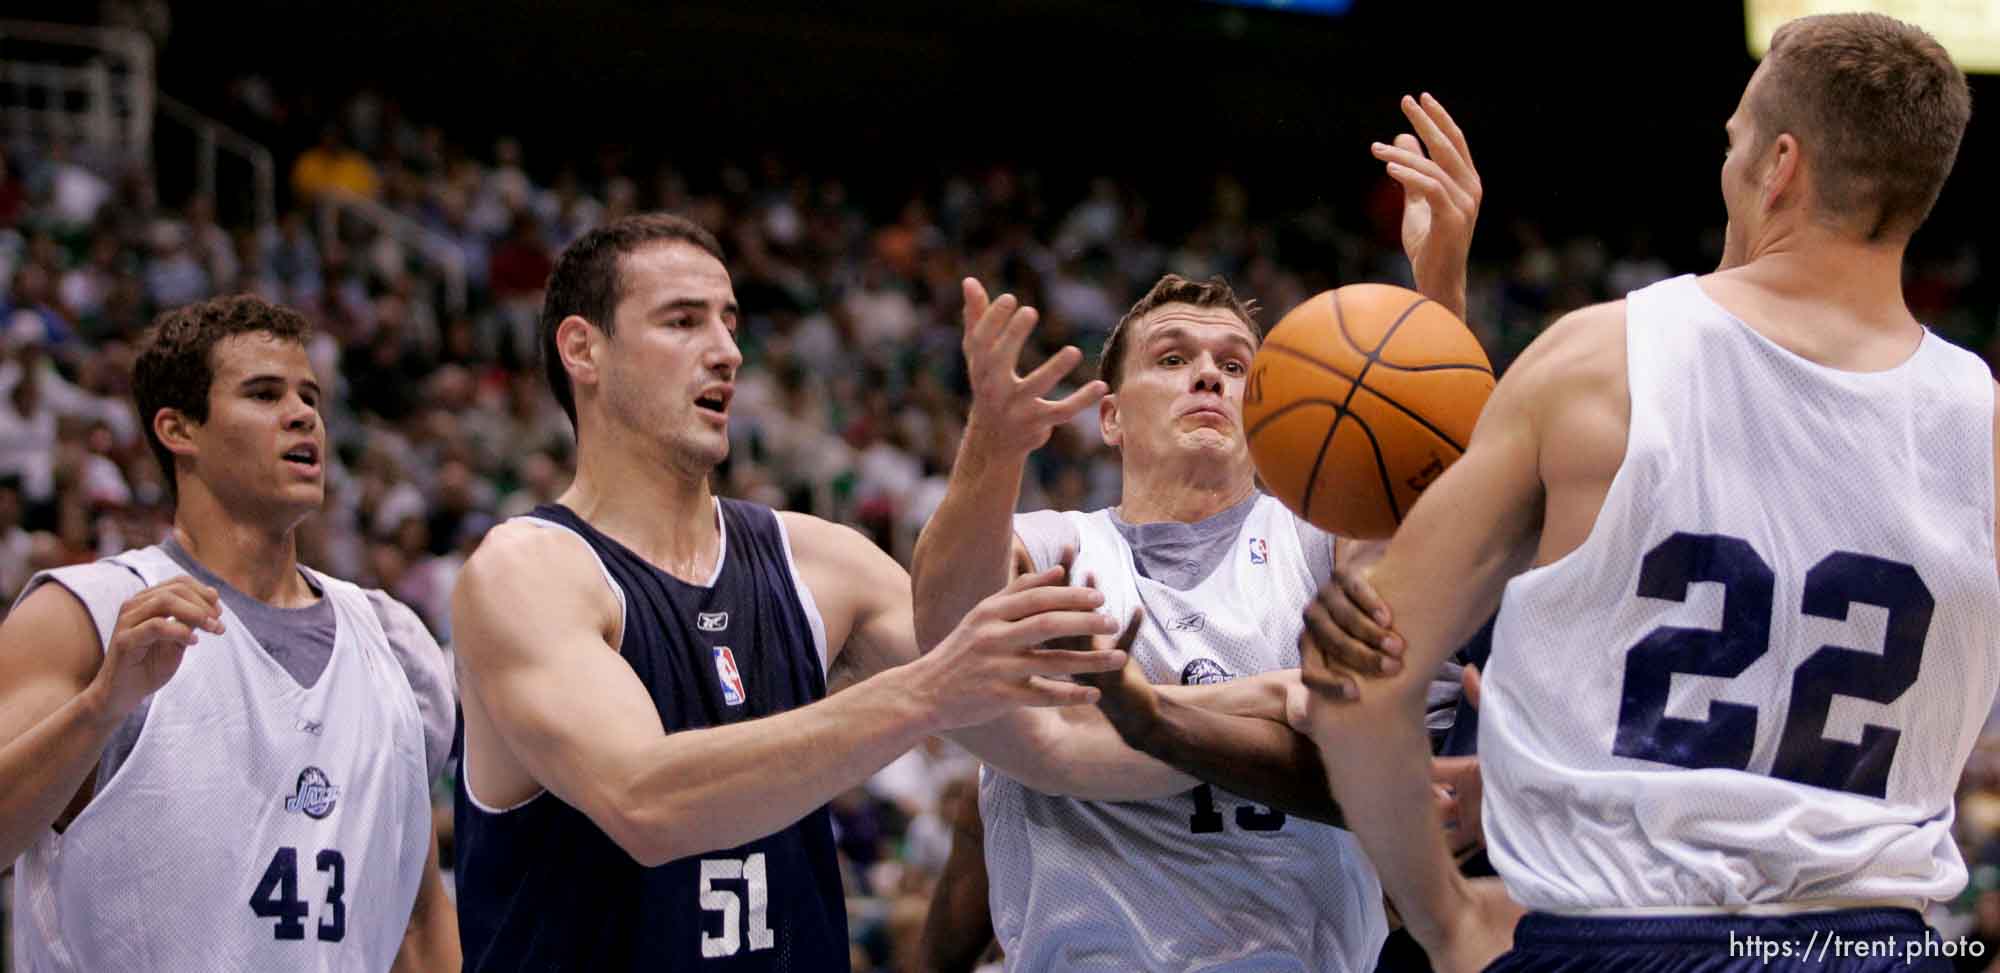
(1358, 400)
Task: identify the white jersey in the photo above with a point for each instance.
(256, 825)
(1203, 880)
(1757, 680)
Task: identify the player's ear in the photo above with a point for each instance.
(175, 430)
(1107, 420)
(1783, 176)
(577, 342)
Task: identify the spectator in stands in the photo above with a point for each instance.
(334, 165)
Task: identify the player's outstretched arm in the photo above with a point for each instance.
(962, 555)
(1069, 751)
(430, 943)
(571, 712)
(1442, 575)
(61, 697)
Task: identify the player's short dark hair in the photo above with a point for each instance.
(1172, 289)
(587, 282)
(176, 364)
(1879, 108)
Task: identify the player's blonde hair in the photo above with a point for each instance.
(1173, 289)
(1879, 109)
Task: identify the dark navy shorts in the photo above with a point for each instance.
(1850, 941)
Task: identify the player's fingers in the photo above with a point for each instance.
(1043, 691)
(1090, 394)
(1038, 628)
(1413, 182)
(1034, 579)
(1445, 122)
(1344, 651)
(158, 631)
(1130, 633)
(1351, 618)
(994, 320)
(1440, 145)
(1056, 662)
(1470, 679)
(1326, 684)
(1014, 334)
(1048, 598)
(1047, 374)
(1455, 196)
(1353, 580)
(975, 302)
(183, 604)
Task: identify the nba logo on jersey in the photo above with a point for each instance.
(732, 681)
(1258, 552)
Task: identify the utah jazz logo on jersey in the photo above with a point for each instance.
(1259, 553)
(1204, 672)
(732, 681)
(314, 795)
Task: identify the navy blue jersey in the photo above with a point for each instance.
(543, 888)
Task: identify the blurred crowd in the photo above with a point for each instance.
(850, 405)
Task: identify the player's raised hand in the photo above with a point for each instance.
(155, 627)
(997, 658)
(1008, 408)
(1441, 194)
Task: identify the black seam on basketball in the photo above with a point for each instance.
(1392, 403)
(1279, 413)
(1392, 366)
(1312, 479)
(1382, 468)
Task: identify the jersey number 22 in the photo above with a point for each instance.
(1726, 738)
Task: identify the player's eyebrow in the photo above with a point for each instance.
(1176, 332)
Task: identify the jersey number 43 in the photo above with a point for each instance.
(1726, 738)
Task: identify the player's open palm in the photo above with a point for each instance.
(155, 628)
(1441, 192)
(1008, 408)
(996, 659)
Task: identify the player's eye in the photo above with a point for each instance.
(1233, 367)
(1171, 361)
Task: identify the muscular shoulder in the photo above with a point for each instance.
(1579, 362)
(49, 634)
(542, 574)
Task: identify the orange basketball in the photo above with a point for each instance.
(1357, 400)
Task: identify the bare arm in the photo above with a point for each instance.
(963, 553)
(959, 927)
(1477, 526)
(431, 941)
(574, 715)
(61, 697)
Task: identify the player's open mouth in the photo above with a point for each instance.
(715, 401)
(303, 457)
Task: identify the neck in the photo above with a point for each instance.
(663, 513)
(257, 558)
(1830, 269)
(1156, 492)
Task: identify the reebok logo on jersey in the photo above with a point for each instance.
(1259, 553)
(1191, 623)
(313, 727)
(314, 796)
(712, 621)
(1204, 672)
(732, 681)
